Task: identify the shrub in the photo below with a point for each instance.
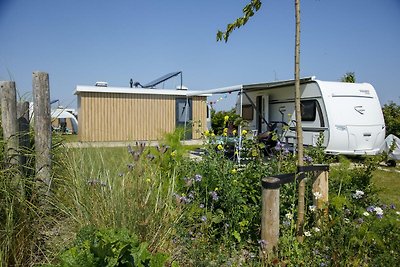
(109, 247)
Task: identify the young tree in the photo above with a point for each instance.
(349, 77)
(248, 11)
(391, 112)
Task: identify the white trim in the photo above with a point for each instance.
(141, 91)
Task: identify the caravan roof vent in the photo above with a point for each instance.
(101, 84)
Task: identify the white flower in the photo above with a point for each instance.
(378, 211)
(307, 233)
(346, 220)
(312, 208)
(358, 194)
(289, 216)
(366, 213)
(316, 229)
(398, 212)
(317, 195)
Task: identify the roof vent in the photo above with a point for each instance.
(179, 87)
(101, 84)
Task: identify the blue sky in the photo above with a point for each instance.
(81, 42)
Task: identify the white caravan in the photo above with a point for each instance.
(348, 114)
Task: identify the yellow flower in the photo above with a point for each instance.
(212, 134)
(226, 118)
(207, 133)
(173, 153)
(220, 147)
(216, 189)
(244, 132)
(148, 180)
(225, 130)
(225, 134)
(233, 171)
(234, 132)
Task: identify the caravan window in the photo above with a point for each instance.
(308, 110)
(247, 111)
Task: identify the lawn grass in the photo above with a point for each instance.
(387, 181)
(69, 138)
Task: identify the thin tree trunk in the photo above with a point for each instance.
(299, 131)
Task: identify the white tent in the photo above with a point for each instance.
(61, 113)
(393, 142)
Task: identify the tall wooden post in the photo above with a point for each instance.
(270, 216)
(9, 119)
(42, 125)
(23, 129)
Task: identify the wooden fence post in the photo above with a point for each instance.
(42, 125)
(320, 191)
(23, 129)
(270, 216)
(9, 119)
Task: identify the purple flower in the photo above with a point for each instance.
(360, 220)
(379, 215)
(214, 195)
(308, 159)
(185, 200)
(371, 209)
(279, 146)
(130, 166)
(286, 151)
(203, 218)
(150, 156)
(198, 178)
(392, 206)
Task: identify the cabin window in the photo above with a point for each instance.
(308, 110)
(247, 112)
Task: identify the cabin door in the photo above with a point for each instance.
(184, 116)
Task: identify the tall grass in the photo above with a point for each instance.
(121, 188)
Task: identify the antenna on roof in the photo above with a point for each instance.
(131, 82)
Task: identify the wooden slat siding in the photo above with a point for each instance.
(199, 114)
(127, 117)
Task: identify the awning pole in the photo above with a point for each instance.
(240, 125)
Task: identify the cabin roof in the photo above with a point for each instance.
(142, 91)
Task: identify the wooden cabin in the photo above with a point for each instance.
(138, 114)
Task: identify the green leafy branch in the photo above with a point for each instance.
(248, 11)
